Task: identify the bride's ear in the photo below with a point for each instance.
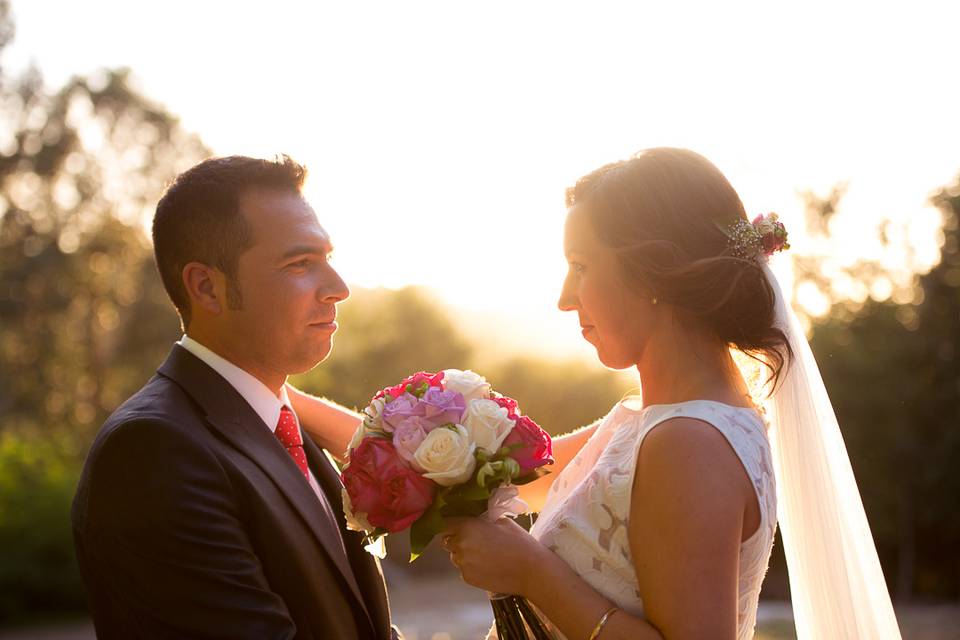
(206, 287)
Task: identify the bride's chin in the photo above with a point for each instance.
(615, 361)
(612, 362)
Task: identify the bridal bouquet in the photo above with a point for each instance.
(442, 445)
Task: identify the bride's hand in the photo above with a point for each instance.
(496, 556)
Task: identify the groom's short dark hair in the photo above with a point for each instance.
(198, 219)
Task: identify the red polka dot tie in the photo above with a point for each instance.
(288, 433)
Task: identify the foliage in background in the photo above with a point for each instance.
(894, 378)
(83, 317)
(383, 337)
(84, 322)
(37, 574)
(386, 335)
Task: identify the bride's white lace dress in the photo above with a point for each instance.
(584, 520)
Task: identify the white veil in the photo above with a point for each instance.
(836, 583)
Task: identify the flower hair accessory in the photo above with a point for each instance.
(757, 240)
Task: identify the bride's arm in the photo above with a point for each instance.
(685, 529)
(330, 425)
(565, 447)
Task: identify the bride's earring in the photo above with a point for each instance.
(654, 300)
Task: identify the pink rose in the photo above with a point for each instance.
(432, 379)
(391, 495)
(535, 447)
(770, 243)
(401, 408)
(509, 404)
(442, 407)
(407, 436)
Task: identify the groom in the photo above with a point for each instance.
(202, 512)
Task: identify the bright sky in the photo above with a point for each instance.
(441, 135)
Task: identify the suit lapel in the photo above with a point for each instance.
(366, 567)
(239, 424)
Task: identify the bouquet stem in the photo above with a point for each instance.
(516, 619)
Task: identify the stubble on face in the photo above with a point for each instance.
(287, 286)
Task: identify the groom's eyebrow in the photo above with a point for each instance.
(303, 249)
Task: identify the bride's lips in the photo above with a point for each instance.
(585, 329)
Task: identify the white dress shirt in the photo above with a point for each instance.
(264, 402)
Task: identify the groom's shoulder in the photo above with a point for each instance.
(149, 449)
(160, 399)
(160, 410)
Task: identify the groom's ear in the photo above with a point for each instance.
(206, 287)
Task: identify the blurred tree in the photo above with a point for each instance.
(83, 317)
(895, 382)
(560, 395)
(386, 335)
(78, 177)
(829, 277)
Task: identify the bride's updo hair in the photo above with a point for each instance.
(665, 212)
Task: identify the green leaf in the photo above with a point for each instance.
(426, 527)
(465, 509)
(467, 500)
(533, 475)
(484, 473)
(419, 390)
(470, 491)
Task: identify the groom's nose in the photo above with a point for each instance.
(332, 288)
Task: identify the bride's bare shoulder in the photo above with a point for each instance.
(688, 457)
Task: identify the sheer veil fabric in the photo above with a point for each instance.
(836, 582)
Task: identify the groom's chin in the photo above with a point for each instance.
(312, 358)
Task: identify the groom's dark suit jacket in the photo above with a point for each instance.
(192, 521)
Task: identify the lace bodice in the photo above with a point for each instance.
(585, 517)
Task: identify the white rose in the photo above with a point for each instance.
(446, 454)
(357, 438)
(373, 414)
(355, 521)
(487, 423)
(467, 383)
(372, 421)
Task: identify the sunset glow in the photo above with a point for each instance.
(441, 135)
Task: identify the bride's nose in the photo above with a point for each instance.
(568, 297)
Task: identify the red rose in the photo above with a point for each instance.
(535, 447)
(509, 404)
(392, 495)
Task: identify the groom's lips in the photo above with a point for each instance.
(330, 326)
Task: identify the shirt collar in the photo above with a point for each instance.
(258, 396)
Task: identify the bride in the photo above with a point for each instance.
(658, 522)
